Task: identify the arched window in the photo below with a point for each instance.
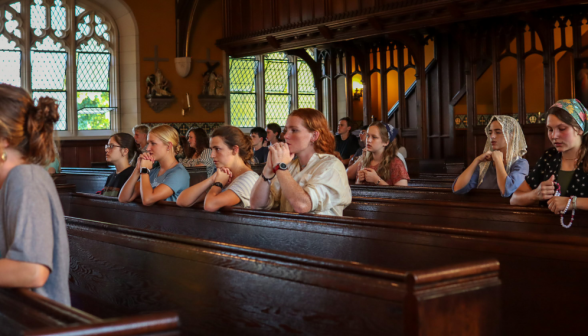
(63, 50)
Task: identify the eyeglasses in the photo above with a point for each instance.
(110, 146)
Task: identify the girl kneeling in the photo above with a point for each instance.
(502, 165)
(233, 180)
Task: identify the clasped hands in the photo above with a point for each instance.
(278, 153)
(368, 175)
(495, 156)
(223, 175)
(145, 160)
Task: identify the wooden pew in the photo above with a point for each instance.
(426, 193)
(534, 259)
(23, 312)
(228, 289)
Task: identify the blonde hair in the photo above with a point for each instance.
(141, 128)
(388, 156)
(167, 134)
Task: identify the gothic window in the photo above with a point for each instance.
(67, 55)
(255, 102)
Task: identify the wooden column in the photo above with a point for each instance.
(384, 84)
(521, 74)
(349, 84)
(470, 70)
(421, 96)
(367, 92)
(333, 86)
(402, 108)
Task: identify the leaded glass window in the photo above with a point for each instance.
(243, 74)
(79, 77)
(278, 98)
(10, 38)
(255, 102)
(306, 89)
(93, 61)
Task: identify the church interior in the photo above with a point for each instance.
(412, 259)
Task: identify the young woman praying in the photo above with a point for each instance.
(121, 151)
(34, 248)
(501, 166)
(163, 183)
(380, 164)
(302, 175)
(232, 183)
(562, 168)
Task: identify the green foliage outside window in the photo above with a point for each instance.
(90, 114)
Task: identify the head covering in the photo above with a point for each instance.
(516, 146)
(392, 132)
(576, 109)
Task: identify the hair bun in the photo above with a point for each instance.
(46, 111)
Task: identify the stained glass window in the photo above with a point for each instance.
(243, 75)
(278, 98)
(10, 53)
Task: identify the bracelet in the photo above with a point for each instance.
(380, 180)
(574, 202)
(561, 218)
(267, 179)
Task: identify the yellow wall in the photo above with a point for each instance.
(157, 26)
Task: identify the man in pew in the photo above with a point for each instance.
(140, 133)
(346, 144)
(34, 249)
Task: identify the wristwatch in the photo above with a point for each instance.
(145, 170)
(218, 184)
(280, 166)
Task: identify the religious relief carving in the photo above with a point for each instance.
(159, 96)
(212, 96)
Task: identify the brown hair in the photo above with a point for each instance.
(389, 154)
(166, 133)
(567, 118)
(202, 141)
(28, 127)
(232, 136)
(127, 141)
(315, 121)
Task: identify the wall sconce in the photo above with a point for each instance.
(357, 90)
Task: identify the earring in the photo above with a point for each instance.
(3, 157)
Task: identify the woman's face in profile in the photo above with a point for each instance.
(114, 153)
(221, 154)
(192, 140)
(496, 136)
(296, 135)
(156, 147)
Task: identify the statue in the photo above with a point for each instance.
(212, 84)
(157, 85)
(219, 86)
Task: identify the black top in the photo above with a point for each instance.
(115, 182)
(550, 164)
(348, 147)
(261, 154)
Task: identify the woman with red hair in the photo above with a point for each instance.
(302, 175)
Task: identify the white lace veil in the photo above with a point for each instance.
(516, 146)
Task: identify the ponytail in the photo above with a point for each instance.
(27, 126)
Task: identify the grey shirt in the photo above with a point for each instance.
(518, 171)
(33, 227)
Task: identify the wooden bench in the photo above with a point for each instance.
(23, 312)
(228, 289)
(427, 193)
(533, 257)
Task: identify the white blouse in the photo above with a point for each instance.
(324, 179)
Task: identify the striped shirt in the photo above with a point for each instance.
(204, 158)
(242, 187)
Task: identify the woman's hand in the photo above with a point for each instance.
(268, 170)
(485, 157)
(280, 153)
(371, 176)
(497, 157)
(545, 190)
(223, 175)
(146, 161)
(361, 175)
(557, 204)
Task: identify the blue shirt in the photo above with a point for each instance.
(518, 171)
(177, 178)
